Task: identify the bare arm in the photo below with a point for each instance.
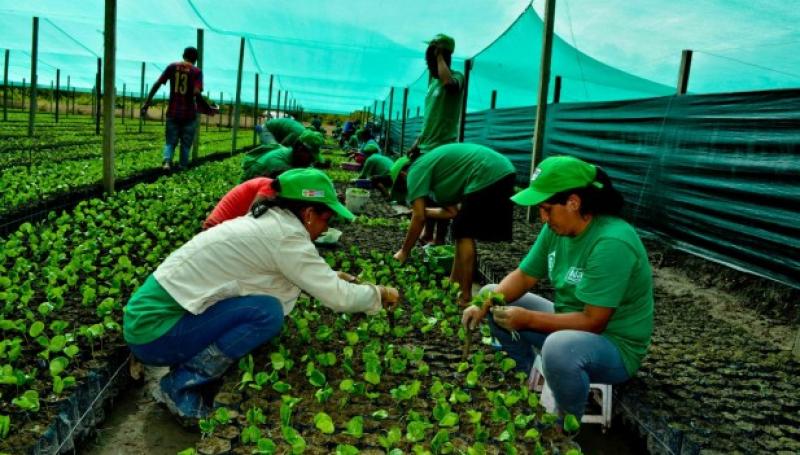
(592, 319)
(441, 213)
(513, 286)
(445, 75)
(414, 230)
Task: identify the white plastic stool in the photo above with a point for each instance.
(601, 393)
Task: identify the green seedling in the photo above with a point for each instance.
(355, 427)
(324, 423)
(5, 426)
(28, 401)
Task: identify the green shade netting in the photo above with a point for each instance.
(341, 56)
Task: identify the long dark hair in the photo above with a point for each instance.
(430, 59)
(605, 200)
(293, 205)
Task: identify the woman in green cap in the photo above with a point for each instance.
(468, 183)
(598, 328)
(297, 151)
(227, 290)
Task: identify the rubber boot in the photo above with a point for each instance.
(180, 390)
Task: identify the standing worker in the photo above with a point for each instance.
(185, 83)
(599, 327)
(227, 290)
(442, 114)
(468, 183)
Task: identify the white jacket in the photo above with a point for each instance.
(270, 255)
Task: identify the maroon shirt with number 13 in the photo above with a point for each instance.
(184, 79)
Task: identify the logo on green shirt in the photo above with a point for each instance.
(574, 275)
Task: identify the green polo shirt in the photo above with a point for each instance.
(276, 161)
(282, 127)
(442, 113)
(376, 165)
(447, 173)
(150, 313)
(606, 265)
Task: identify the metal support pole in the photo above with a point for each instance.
(493, 103)
(557, 91)
(278, 107)
(403, 124)
(683, 72)
(544, 80)
(58, 90)
(255, 111)
(141, 99)
(463, 121)
(98, 95)
(5, 87)
(269, 95)
(238, 95)
(389, 122)
(196, 141)
(110, 51)
(34, 61)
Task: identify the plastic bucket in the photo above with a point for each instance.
(355, 199)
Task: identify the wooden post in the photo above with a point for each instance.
(493, 103)
(374, 111)
(403, 124)
(58, 90)
(196, 141)
(34, 61)
(110, 51)
(269, 95)
(557, 91)
(98, 95)
(255, 111)
(278, 107)
(463, 120)
(124, 90)
(142, 97)
(219, 120)
(544, 80)
(238, 95)
(388, 124)
(5, 87)
(683, 72)
(285, 101)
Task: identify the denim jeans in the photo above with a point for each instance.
(571, 359)
(237, 326)
(183, 131)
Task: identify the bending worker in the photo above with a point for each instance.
(302, 152)
(275, 131)
(472, 185)
(599, 326)
(227, 290)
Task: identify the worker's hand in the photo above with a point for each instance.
(401, 256)
(472, 316)
(510, 317)
(389, 297)
(346, 277)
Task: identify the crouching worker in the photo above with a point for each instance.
(238, 201)
(227, 290)
(599, 326)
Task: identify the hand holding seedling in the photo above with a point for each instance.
(389, 297)
(511, 318)
(401, 256)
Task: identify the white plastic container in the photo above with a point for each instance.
(355, 199)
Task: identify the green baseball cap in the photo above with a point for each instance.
(443, 41)
(370, 148)
(554, 175)
(313, 185)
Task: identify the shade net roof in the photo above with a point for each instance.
(338, 56)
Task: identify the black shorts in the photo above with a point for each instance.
(487, 214)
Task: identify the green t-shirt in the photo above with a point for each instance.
(442, 113)
(607, 266)
(448, 172)
(150, 313)
(275, 162)
(376, 165)
(282, 127)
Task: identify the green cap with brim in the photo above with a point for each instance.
(312, 185)
(443, 41)
(554, 175)
(370, 149)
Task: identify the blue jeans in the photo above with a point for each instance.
(236, 325)
(571, 359)
(183, 131)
